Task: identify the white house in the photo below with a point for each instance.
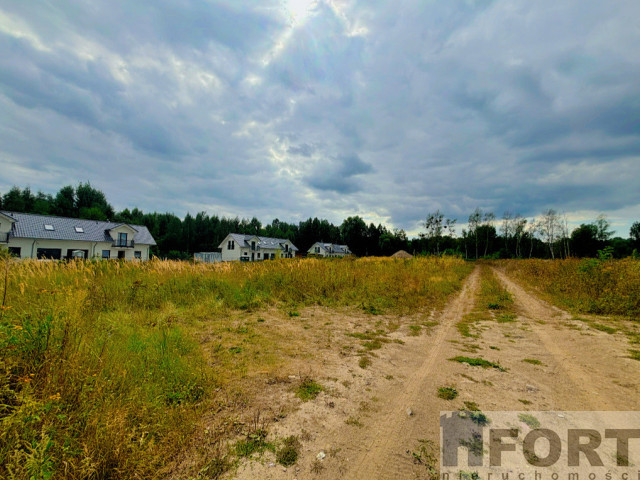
(252, 248)
(320, 249)
(42, 236)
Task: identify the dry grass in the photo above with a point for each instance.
(608, 287)
(107, 368)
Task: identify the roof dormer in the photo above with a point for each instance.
(115, 232)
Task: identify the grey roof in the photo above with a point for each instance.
(263, 242)
(335, 248)
(28, 225)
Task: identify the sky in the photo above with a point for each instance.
(293, 109)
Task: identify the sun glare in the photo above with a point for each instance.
(299, 10)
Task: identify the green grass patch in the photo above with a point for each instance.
(471, 406)
(532, 361)
(530, 420)
(364, 362)
(287, 454)
(479, 418)
(447, 393)
(634, 354)
(308, 390)
(506, 318)
(354, 422)
(604, 328)
(477, 362)
(255, 442)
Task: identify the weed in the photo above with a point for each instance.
(414, 330)
(474, 444)
(604, 328)
(524, 402)
(364, 362)
(447, 393)
(215, 468)
(425, 456)
(634, 354)
(372, 310)
(354, 422)
(308, 390)
(294, 313)
(479, 418)
(493, 347)
(255, 442)
(530, 420)
(471, 406)
(532, 361)
(288, 452)
(506, 318)
(477, 362)
(372, 345)
(469, 475)
(317, 467)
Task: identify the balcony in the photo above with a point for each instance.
(123, 244)
(4, 237)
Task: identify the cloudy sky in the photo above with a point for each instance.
(328, 108)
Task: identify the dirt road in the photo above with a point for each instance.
(369, 423)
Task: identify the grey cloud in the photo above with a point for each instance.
(338, 175)
(506, 105)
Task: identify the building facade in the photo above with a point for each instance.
(321, 249)
(253, 248)
(45, 237)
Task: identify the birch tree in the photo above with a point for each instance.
(474, 222)
(549, 228)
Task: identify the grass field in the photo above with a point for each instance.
(107, 368)
(606, 287)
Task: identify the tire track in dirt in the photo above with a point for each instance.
(382, 455)
(542, 317)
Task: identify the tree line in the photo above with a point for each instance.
(484, 235)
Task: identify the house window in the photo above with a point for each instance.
(14, 251)
(317, 249)
(286, 247)
(231, 245)
(122, 239)
(273, 256)
(79, 230)
(258, 255)
(50, 253)
(137, 254)
(253, 245)
(106, 254)
(48, 227)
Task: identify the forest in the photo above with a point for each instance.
(483, 236)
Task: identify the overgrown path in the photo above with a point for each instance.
(386, 425)
(592, 364)
(400, 424)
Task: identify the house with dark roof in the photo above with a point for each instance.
(253, 248)
(321, 249)
(42, 236)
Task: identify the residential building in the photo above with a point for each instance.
(42, 236)
(253, 248)
(321, 249)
